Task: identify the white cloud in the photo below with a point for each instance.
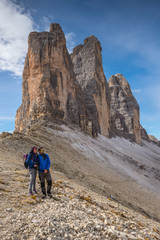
(7, 118)
(136, 90)
(70, 40)
(15, 25)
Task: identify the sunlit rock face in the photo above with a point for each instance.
(125, 118)
(55, 87)
(72, 88)
(50, 90)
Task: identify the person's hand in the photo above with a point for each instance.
(45, 171)
(35, 166)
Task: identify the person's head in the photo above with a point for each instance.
(34, 150)
(41, 150)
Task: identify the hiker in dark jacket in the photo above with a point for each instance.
(32, 162)
(44, 173)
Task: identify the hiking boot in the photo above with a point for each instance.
(44, 196)
(50, 195)
(30, 193)
(35, 192)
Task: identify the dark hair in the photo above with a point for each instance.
(39, 149)
(33, 149)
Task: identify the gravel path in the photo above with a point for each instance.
(74, 213)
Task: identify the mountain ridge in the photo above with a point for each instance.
(73, 88)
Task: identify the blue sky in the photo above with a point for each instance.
(127, 29)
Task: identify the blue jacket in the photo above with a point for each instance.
(44, 162)
(32, 160)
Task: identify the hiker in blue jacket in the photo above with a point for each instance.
(44, 173)
(32, 161)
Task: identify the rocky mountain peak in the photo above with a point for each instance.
(55, 27)
(87, 58)
(88, 69)
(52, 89)
(57, 32)
(93, 40)
(73, 88)
(49, 85)
(125, 117)
(120, 81)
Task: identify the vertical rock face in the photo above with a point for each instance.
(49, 85)
(73, 88)
(87, 62)
(125, 119)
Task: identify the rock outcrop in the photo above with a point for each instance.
(73, 89)
(144, 134)
(87, 62)
(50, 90)
(154, 140)
(125, 118)
(54, 89)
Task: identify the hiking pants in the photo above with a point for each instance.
(33, 175)
(42, 177)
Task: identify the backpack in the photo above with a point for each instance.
(25, 160)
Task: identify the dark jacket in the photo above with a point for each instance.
(44, 162)
(32, 160)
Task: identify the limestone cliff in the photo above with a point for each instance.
(54, 87)
(73, 88)
(87, 62)
(49, 86)
(125, 118)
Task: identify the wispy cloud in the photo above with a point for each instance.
(7, 118)
(70, 40)
(146, 53)
(15, 25)
(46, 21)
(136, 90)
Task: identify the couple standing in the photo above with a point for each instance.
(40, 162)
